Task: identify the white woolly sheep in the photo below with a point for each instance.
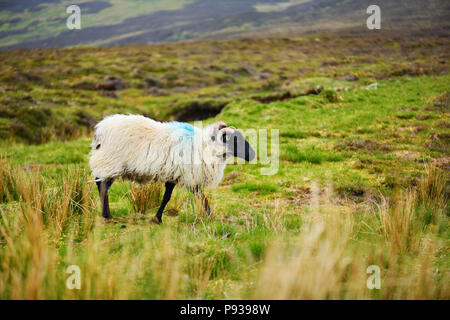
(141, 149)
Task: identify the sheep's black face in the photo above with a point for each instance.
(238, 146)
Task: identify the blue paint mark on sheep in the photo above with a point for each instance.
(185, 129)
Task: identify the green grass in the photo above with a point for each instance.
(358, 184)
(294, 134)
(261, 188)
(310, 154)
(45, 27)
(59, 96)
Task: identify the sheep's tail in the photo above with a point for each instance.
(101, 131)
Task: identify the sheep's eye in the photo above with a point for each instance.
(224, 138)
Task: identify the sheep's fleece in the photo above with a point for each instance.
(141, 149)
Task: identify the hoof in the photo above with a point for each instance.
(155, 220)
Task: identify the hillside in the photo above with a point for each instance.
(42, 24)
(362, 177)
(60, 94)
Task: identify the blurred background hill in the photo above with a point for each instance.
(42, 24)
(363, 167)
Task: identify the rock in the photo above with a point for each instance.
(182, 90)
(330, 63)
(372, 86)
(33, 167)
(244, 70)
(350, 77)
(111, 94)
(227, 234)
(111, 84)
(443, 163)
(157, 92)
(249, 70)
(408, 155)
(315, 90)
(152, 83)
(4, 89)
(262, 76)
(422, 117)
(337, 89)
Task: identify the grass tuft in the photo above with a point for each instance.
(144, 197)
(310, 154)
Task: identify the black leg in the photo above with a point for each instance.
(206, 205)
(166, 198)
(205, 201)
(103, 189)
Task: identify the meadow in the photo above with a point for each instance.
(362, 179)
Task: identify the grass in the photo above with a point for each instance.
(358, 183)
(63, 93)
(310, 154)
(263, 188)
(143, 198)
(119, 11)
(57, 224)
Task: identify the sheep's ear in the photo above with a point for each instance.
(216, 128)
(219, 126)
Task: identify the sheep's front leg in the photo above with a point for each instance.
(103, 189)
(166, 198)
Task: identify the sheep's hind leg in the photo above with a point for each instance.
(205, 201)
(103, 189)
(166, 198)
(206, 205)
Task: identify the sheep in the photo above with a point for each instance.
(141, 149)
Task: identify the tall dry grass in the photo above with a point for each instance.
(45, 213)
(415, 213)
(318, 265)
(144, 197)
(8, 186)
(53, 224)
(328, 262)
